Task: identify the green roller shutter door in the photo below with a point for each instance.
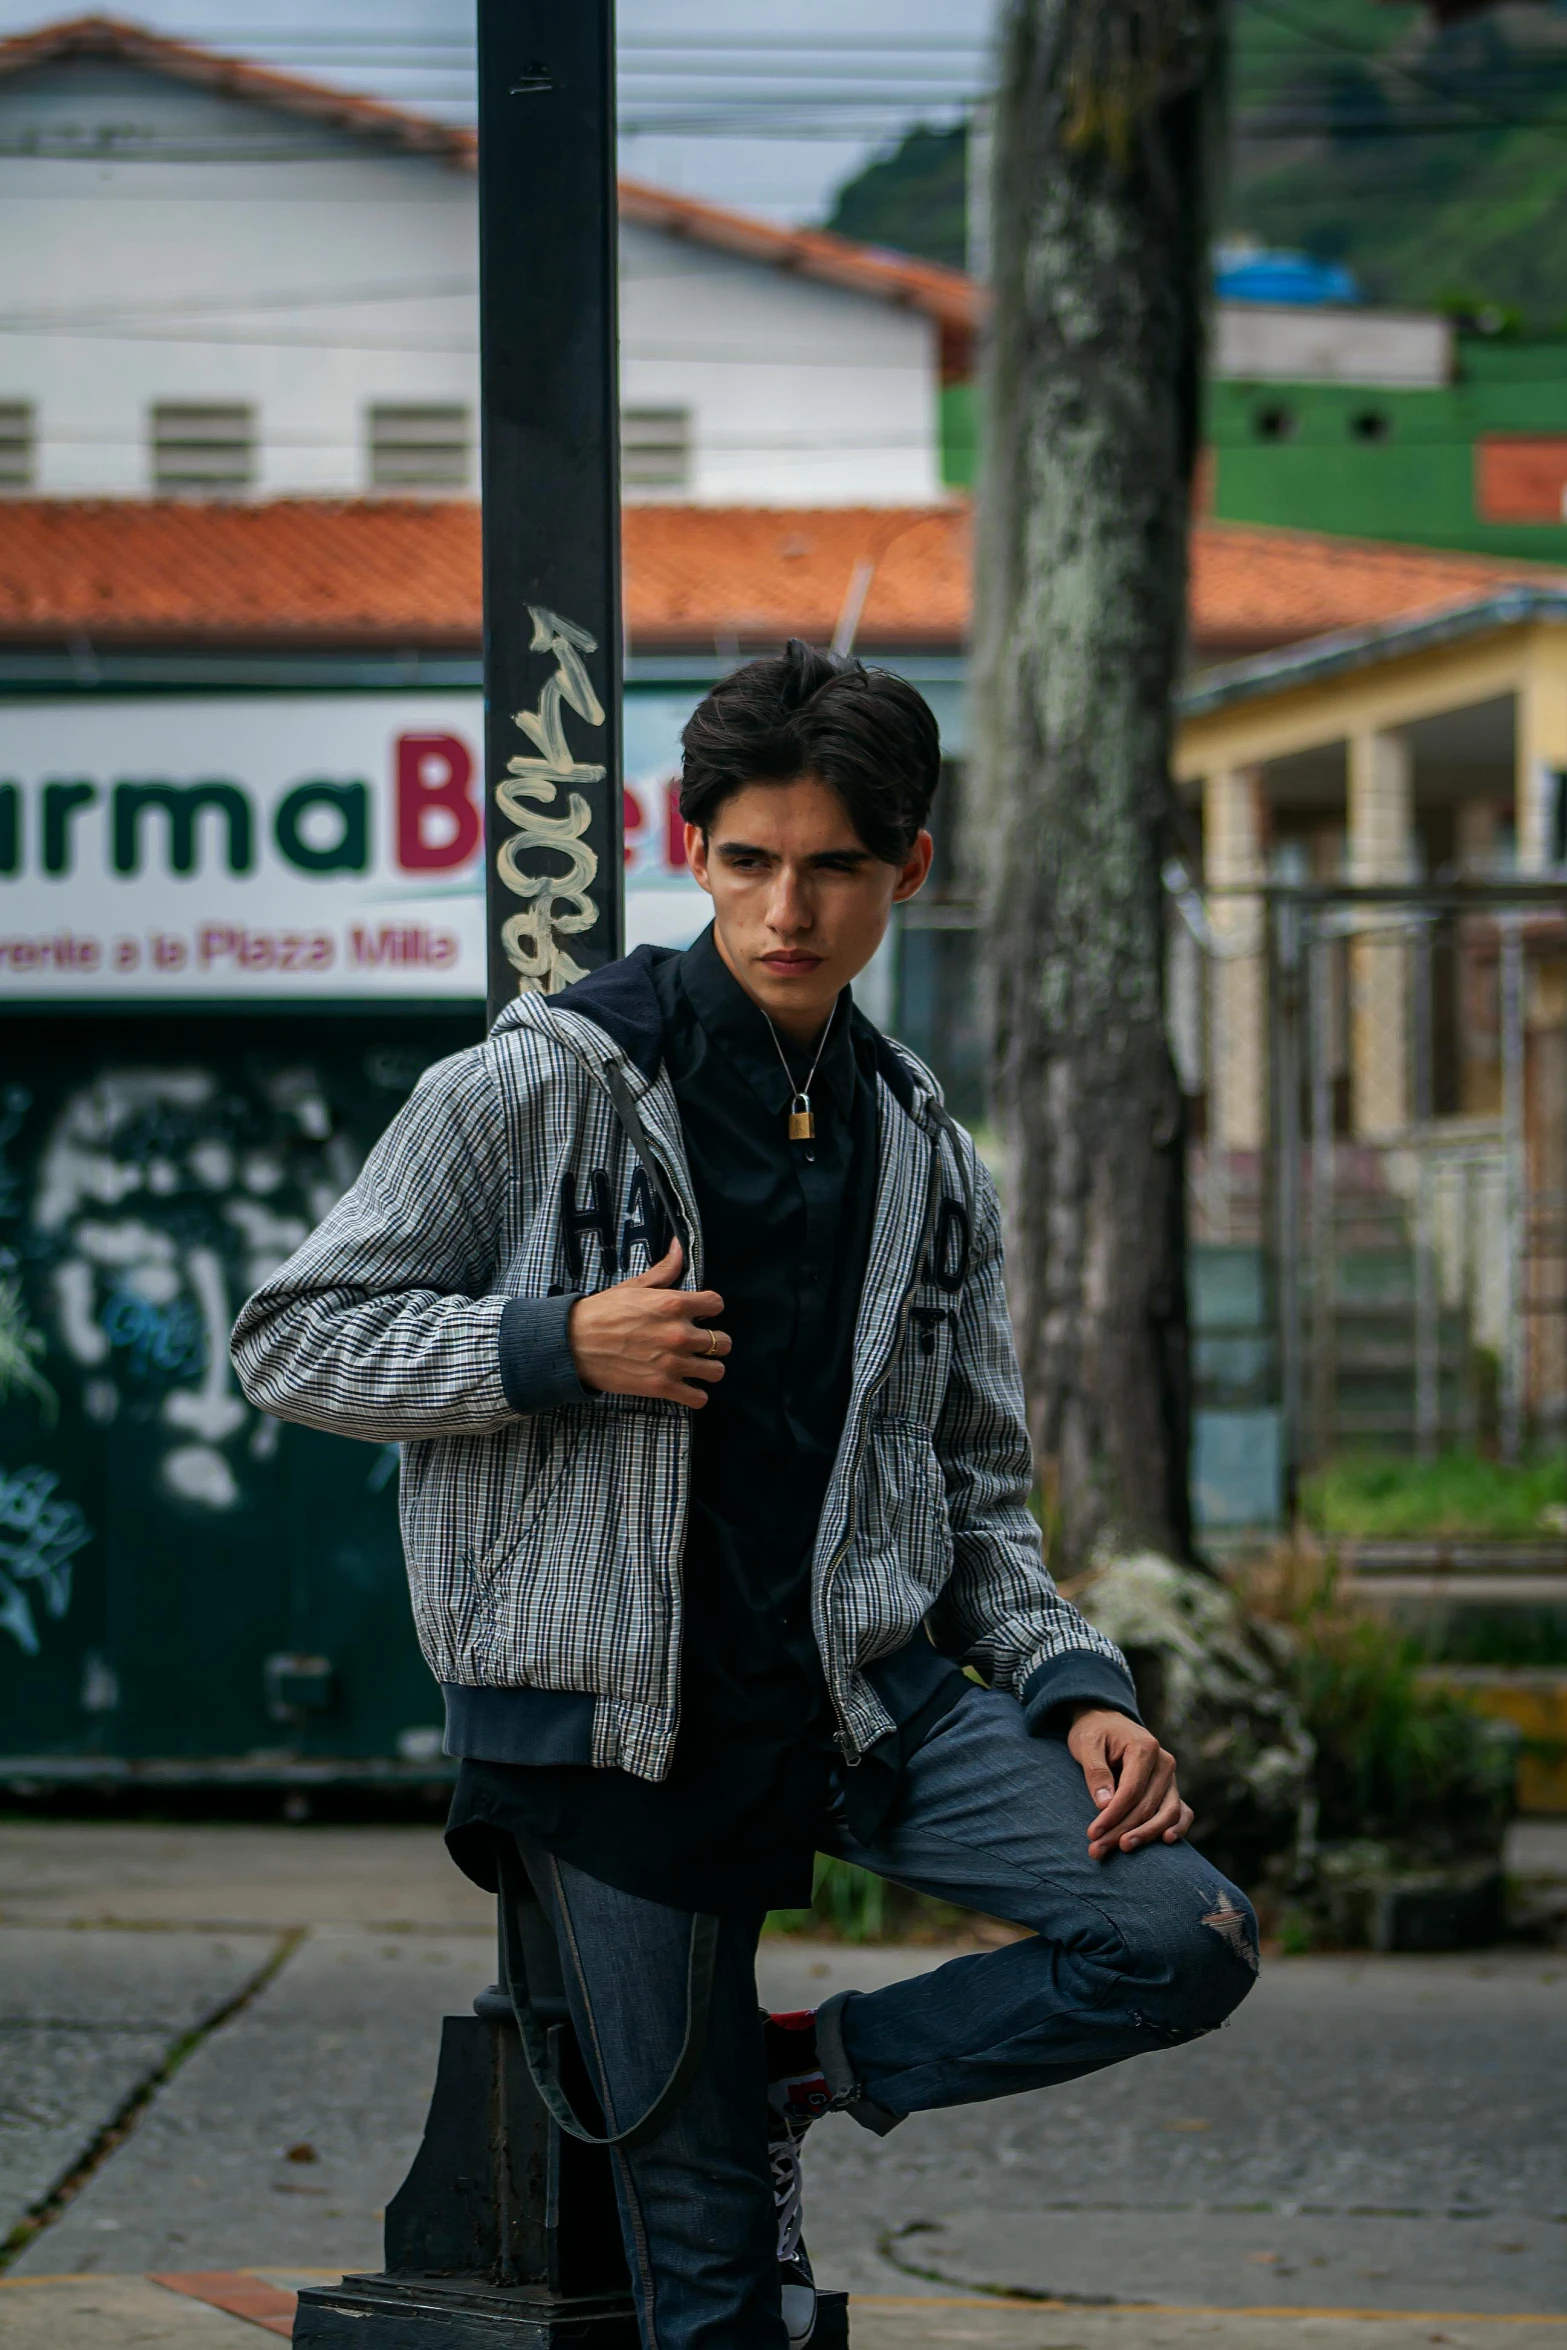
(181, 1577)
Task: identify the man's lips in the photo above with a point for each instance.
(792, 965)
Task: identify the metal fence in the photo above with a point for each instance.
(1377, 1079)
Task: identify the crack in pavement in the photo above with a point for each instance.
(134, 2106)
(889, 2240)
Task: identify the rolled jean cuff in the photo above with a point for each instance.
(847, 2095)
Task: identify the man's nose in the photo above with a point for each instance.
(788, 910)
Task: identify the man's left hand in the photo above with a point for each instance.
(1131, 1779)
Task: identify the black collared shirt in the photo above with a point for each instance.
(786, 1231)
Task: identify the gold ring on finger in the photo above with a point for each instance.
(712, 1342)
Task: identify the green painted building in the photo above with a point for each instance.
(1438, 465)
(1476, 461)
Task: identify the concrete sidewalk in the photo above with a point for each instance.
(222, 2040)
(83, 1873)
(135, 2313)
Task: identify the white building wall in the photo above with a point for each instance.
(1277, 342)
(207, 249)
(801, 394)
(310, 278)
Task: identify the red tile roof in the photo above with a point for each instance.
(390, 572)
(757, 574)
(116, 570)
(186, 61)
(396, 572)
(948, 296)
(1253, 586)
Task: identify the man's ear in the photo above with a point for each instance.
(914, 869)
(696, 856)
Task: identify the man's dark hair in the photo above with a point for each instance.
(867, 734)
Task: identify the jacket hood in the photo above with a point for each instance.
(619, 999)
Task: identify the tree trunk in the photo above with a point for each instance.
(1107, 135)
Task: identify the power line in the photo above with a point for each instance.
(233, 41)
(850, 122)
(849, 126)
(160, 324)
(1438, 85)
(81, 318)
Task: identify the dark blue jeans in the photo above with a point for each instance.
(1141, 1951)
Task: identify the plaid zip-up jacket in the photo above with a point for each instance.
(544, 1544)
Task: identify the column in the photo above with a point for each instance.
(1381, 843)
(1537, 1151)
(1475, 838)
(1539, 750)
(1234, 828)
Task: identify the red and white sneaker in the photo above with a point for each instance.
(797, 2095)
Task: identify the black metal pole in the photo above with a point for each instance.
(551, 459)
(505, 2229)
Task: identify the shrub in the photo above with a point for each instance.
(1398, 1759)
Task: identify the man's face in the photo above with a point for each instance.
(800, 905)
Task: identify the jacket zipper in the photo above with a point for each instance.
(844, 1740)
(693, 1244)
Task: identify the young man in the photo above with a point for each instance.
(683, 1296)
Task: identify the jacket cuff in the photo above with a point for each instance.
(1079, 1678)
(536, 1368)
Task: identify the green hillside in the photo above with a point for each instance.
(913, 200)
(1432, 161)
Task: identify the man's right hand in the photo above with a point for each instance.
(646, 1336)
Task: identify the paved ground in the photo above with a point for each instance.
(132, 2313)
(83, 2020)
(1379, 2136)
(79, 1873)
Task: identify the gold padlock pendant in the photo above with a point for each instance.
(802, 1120)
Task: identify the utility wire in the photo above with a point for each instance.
(1434, 84)
(697, 44)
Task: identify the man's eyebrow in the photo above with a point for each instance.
(851, 853)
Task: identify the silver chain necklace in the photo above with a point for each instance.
(802, 1119)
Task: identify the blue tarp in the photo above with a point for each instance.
(1282, 277)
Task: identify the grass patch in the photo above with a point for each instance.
(1458, 1493)
(850, 1905)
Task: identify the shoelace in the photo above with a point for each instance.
(788, 2196)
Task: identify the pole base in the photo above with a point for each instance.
(832, 2322)
(466, 2313)
(459, 2313)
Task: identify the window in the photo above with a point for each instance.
(419, 448)
(655, 448)
(1275, 424)
(202, 451)
(16, 445)
(1371, 424)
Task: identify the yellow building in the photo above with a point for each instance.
(1379, 1064)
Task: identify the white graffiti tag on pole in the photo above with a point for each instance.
(555, 905)
(39, 1537)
